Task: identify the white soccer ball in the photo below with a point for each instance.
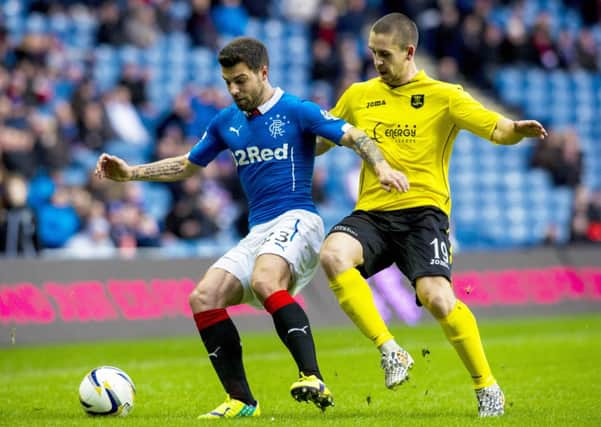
(107, 391)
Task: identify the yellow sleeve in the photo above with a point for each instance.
(343, 110)
(344, 107)
(471, 115)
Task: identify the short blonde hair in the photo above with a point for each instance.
(399, 24)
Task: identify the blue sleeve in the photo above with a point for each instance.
(320, 122)
(207, 147)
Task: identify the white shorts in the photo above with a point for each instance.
(295, 235)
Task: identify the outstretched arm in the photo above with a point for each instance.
(371, 154)
(166, 170)
(509, 132)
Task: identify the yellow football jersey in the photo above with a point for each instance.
(414, 126)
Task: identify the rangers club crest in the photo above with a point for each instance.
(277, 126)
(417, 101)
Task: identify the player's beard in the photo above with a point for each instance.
(243, 103)
(250, 101)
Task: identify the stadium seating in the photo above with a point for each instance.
(498, 200)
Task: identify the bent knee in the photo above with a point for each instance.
(439, 305)
(199, 299)
(264, 288)
(436, 295)
(334, 261)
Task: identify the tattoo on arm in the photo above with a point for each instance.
(171, 169)
(368, 150)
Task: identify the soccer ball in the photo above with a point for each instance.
(107, 391)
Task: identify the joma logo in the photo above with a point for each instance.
(377, 103)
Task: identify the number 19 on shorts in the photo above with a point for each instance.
(440, 253)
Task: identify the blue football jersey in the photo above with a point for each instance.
(274, 151)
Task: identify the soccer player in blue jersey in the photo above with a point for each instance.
(271, 135)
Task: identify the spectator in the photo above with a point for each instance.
(300, 10)
(93, 242)
(164, 19)
(18, 228)
(199, 25)
(561, 156)
(140, 24)
(354, 17)
(124, 119)
(67, 128)
(566, 50)
(230, 18)
(179, 120)
(58, 221)
(326, 65)
(187, 219)
(516, 47)
(447, 69)
(543, 43)
(546, 151)
(594, 216)
(17, 144)
(84, 93)
(7, 55)
(568, 169)
(590, 11)
(325, 27)
(472, 61)
(110, 29)
(491, 50)
(587, 51)
(447, 36)
(580, 219)
(258, 8)
(53, 152)
(134, 79)
(94, 128)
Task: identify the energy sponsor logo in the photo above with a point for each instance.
(402, 134)
(399, 133)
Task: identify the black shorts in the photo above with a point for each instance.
(416, 239)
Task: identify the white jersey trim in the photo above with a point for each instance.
(277, 95)
(293, 172)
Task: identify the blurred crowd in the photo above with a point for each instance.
(561, 156)
(468, 37)
(55, 119)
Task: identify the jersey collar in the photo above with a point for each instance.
(419, 76)
(268, 105)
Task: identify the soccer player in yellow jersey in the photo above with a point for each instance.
(414, 119)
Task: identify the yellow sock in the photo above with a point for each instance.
(356, 300)
(461, 330)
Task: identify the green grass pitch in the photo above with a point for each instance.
(548, 368)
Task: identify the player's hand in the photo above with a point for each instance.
(112, 167)
(529, 129)
(391, 178)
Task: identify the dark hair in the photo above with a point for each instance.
(244, 49)
(399, 24)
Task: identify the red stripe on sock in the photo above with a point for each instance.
(277, 300)
(204, 319)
